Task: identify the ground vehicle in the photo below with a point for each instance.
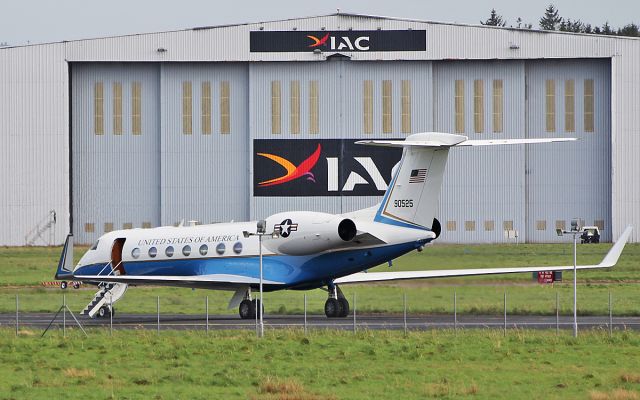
(590, 234)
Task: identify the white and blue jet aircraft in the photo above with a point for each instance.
(307, 250)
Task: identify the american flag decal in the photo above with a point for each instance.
(418, 175)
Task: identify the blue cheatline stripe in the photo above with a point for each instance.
(291, 270)
(383, 204)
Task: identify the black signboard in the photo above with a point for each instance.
(337, 41)
(321, 167)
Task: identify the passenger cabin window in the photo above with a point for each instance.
(237, 248)
(203, 250)
(186, 250)
(153, 252)
(169, 251)
(135, 253)
(220, 248)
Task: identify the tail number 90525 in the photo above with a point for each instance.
(405, 203)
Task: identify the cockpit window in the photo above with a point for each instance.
(95, 245)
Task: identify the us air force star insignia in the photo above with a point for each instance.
(286, 227)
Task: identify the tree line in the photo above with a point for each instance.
(553, 21)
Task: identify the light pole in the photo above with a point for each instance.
(261, 230)
(575, 231)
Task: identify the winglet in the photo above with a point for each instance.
(614, 254)
(65, 265)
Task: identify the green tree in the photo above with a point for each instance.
(494, 19)
(551, 20)
(629, 30)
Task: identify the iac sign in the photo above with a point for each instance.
(354, 178)
(361, 43)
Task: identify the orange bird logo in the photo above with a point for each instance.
(293, 172)
(318, 42)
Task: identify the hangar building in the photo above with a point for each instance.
(150, 129)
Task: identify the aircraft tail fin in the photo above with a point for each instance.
(412, 197)
(413, 194)
(65, 265)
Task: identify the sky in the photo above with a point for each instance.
(42, 21)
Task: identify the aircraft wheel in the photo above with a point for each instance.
(245, 309)
(332, 308)
(63, 285)
(344, 307)
(76, 285)
(255, 308)
(103, 312)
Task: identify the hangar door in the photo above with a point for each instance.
(115, 147)
(568, 98)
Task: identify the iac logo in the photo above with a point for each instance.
(360, 43)
(320, 167)
(293, 172)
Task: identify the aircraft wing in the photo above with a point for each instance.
(608, 261)
(214, 281)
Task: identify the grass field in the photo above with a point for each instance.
(479, 364)
(23, 269)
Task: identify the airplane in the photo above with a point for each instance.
(300, 250)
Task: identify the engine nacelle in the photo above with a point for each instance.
(302, 233)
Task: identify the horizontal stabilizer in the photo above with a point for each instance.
(438, 139)
(608, 261)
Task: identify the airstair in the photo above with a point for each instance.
(104, 299)
(107, 295)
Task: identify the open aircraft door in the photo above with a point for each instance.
(116, 256)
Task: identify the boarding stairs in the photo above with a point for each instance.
(107, 295)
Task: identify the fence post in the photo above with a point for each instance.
(557, 314)
(610, 315)
(405, 313)
(158, 311)
(305, 314)
(64, 315)
(17, 323)
(354, 312)
(505, 313)
(455, 311)
(110, 314)
(207, 311)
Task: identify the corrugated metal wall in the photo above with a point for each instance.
(573, 179)
(625, 138)
(34, 146)
(340, 113)
(116, 177)
(483, 188)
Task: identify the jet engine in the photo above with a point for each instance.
(302, 233)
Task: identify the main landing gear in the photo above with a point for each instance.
(336, 305)
(248, 307)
